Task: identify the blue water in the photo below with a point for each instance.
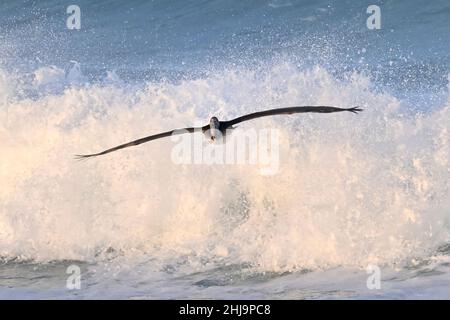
(143, 39)
(353, 192)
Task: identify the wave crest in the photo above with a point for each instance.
(351, 190)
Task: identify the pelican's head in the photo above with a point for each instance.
(214, 126)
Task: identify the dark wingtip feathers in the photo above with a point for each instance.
(80, 157)
(355, 109)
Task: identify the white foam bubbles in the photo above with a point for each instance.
(351, 189)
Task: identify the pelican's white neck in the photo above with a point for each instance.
(214, 127)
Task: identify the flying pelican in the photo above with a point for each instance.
(215, 125)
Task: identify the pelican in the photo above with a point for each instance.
(216, 127)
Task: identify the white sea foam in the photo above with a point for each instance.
(351, 189)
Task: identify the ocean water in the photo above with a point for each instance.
(356, 198)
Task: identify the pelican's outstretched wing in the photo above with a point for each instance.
(289, 110)
(146, 139)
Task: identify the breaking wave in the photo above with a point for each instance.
(350, 190)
